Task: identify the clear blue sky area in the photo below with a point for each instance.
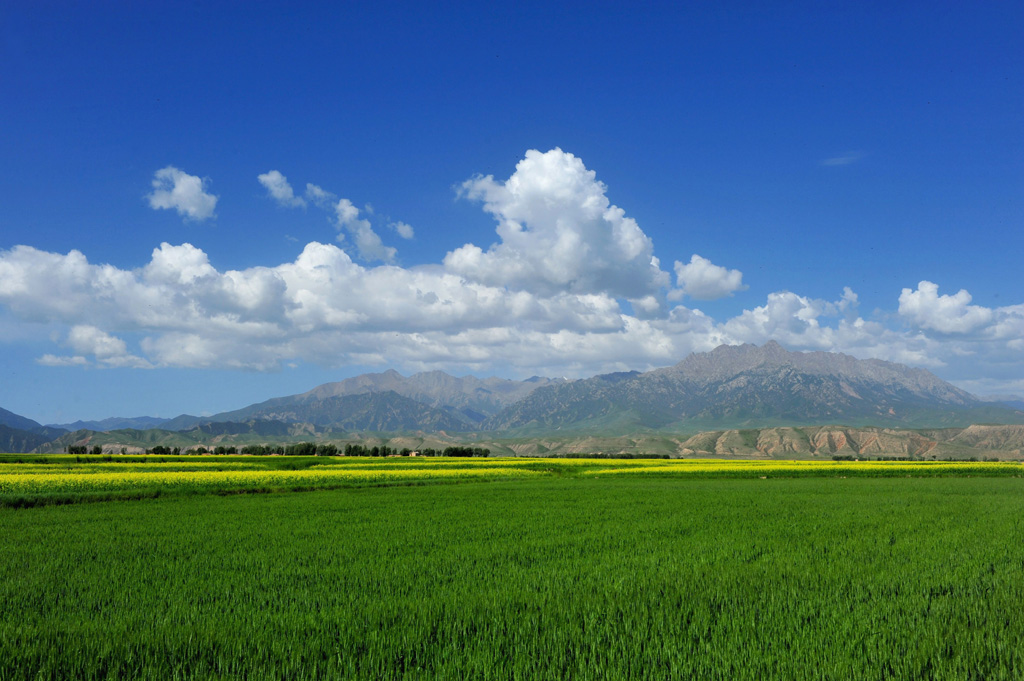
(513, 189)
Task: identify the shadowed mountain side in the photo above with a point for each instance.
(18, 440)
(22, 434)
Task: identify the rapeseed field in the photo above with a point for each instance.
(35, 480)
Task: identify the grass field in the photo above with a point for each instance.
(571, 569)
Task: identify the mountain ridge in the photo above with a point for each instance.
(752, 386)
(730, 387)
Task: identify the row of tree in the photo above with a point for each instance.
(82, 449)
(297, 449)
(384, 450)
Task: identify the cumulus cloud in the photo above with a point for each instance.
(404, 230)
(559, 232)
(109, 350)
(344, 215)
(323, 307)
(946, 313)
(176, 189)
(550, 297)
(278, 189)
(788, 318)
(700, 279)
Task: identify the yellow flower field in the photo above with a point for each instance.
(69, 478)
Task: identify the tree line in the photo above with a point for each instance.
(298, 449)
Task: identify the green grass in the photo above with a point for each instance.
(551, 578)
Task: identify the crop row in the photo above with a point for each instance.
(226, 480)
(65, 480)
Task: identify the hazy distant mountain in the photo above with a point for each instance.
(452, 403)
(114, 423)
(752, 386)
(1012, 401)
(474, 398)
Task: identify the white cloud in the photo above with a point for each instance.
(182, 264)
(323, 307)
(368, 243)
(530, 304)
(558, 232)
(703, 280)
(346, 219)
(318, 196)
(791, 319)
(946, 314)
(173, 188)
(109, 351)
(88, 340)
(404, 230)
(49, 360)
(278, 189)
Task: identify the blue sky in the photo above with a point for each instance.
(482, 189)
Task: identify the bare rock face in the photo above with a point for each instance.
(832, 442)
(783, 442)
(819, 442)
(992, 437)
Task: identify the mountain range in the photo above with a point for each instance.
(750, 386)
(743, 386)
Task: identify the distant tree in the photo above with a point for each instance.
(97, 450)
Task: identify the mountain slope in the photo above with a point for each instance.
(749, 386)
(17, 433)
(466, 401)
(385, 411)
(15, 440)
(437, 389)
(12, 420)
(379, 411)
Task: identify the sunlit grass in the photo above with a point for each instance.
(545, 577)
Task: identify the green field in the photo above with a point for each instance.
(581, 570)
